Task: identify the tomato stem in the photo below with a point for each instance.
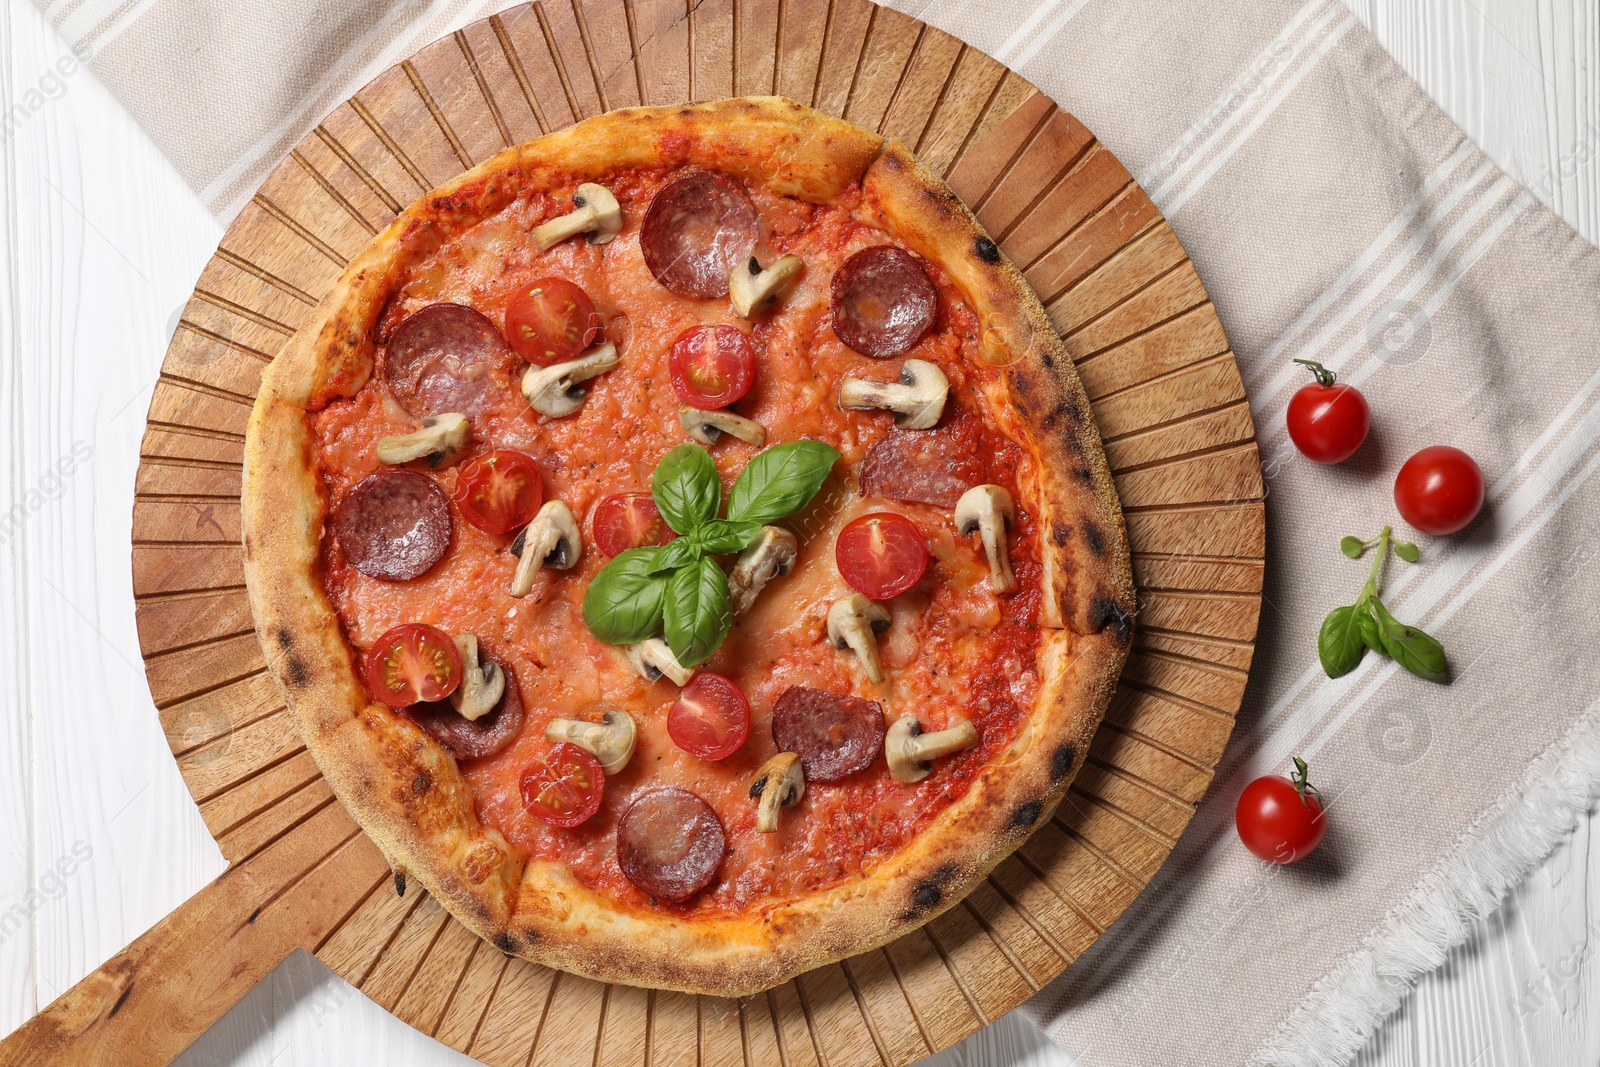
(1325, 377)
(1302, 782)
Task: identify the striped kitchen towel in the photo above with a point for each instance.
(1334, 214)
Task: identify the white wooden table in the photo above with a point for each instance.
(99, 838)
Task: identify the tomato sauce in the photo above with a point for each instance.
(953, 650)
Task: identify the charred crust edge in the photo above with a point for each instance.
(1107, 614)
(986, 250)
(1061, 761)
(929, 893)
(1094, 538)
(1027, 813)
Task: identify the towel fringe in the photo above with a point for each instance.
(1344, 1008)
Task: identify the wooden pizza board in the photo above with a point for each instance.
(1166, 394)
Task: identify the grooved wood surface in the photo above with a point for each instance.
(1157, 367)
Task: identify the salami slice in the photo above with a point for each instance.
(670, 843)
(883, 301)
(922, 467)
(393, 525)
(446, 357)
(474, 738)
(697, 229)
(834, 734)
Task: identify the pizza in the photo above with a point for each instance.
(686, 547)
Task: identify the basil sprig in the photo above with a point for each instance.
(679, 589)
(1350, 631)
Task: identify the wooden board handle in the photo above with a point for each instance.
(150, 1001)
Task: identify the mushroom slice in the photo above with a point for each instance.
(753, 290)
(483, 683)
(552, 539)
(854, 622)
(707, 426)
(610, 740)
(652, 658)
(771, 555)
(440, 438)
(780, 783)
(986, 510)
(594, 211)
(908, 749)
(917, 399)
(554, 390)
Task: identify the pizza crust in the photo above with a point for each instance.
(407, 792)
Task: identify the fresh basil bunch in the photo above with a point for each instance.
(678, 589)
(1348, 632)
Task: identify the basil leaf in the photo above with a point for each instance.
(1368, 624)
(722, 537)
(780, 481)
(686, 487)
(1410, 647)
(679, 552)
(1339, 642)
(698, 613)
(625, 601)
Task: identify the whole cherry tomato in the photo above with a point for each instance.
(1281, 819)
(1328, 421)
(1439, 490)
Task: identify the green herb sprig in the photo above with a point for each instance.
(678, 590)
(1348, 632)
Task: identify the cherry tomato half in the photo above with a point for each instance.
(551, 321)
(1327, 420)
(564, 786)
(711, 367)
(413, 664)
(711, 718)
(1281, 819)
(881, 555)
(629, 520)
(499, 492)
(1439, 490)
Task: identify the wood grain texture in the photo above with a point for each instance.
(1119, 288)
(151, 1000)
